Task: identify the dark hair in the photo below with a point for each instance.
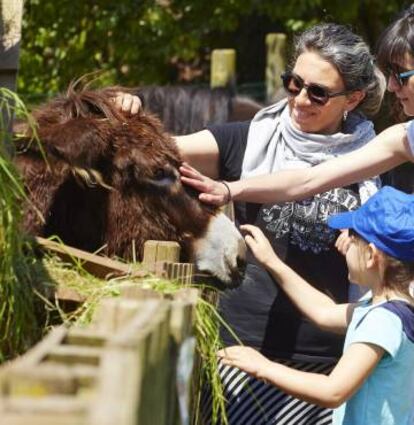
(394, 43)
(398, 274)
(396, 40)
(351, 56)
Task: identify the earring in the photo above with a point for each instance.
(345, 115)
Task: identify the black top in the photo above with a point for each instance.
(259, 313)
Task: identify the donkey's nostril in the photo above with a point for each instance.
(236, 278)
(241, 265)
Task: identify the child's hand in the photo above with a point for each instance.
(259, 245)
(245, 358)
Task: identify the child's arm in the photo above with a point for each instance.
(329, 391)
(317, 306)
(389, 149)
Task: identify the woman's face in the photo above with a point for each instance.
(405, 92)
(309, 116)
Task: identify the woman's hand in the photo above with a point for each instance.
(260, 246)
(343, 242)
(127, 103)
(245, 358)
(212, 191)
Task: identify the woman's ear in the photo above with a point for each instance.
(354, 99)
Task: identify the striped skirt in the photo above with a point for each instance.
(253, 402)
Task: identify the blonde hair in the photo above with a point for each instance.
(398, 275)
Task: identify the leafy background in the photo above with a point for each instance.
(167, 41)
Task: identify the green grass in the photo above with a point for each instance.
(19, 327)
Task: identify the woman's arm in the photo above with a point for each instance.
(331, 391)
(314, 304)
(201, 151)
(386, 151)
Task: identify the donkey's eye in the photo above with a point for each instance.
(159, 174)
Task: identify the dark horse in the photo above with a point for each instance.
(187, 109)
(100, 178)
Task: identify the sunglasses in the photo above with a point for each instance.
(293, 84)
(401, 77)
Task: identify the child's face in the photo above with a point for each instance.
(405, 91)
(355, 260)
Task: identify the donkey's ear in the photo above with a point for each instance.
(80, 142)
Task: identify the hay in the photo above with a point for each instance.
(93, 290)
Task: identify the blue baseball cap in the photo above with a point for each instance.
(386, 220)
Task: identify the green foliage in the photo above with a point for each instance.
(18, 323)
(139, 41)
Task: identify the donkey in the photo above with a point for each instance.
(102, 179)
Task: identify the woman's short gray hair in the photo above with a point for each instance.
(351, 56)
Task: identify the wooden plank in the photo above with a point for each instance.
(121, 383)
(52, 410)
(156, 251)
(158, 372)
(40, 351)
(87, 337)
(41, 381)
(58, 404)
(181, 272)
(119, 388)
(148, 314)
(114, 314)
(275, 63)
(99, 266)
(85, 375)
(43, 419)
(136, 291)
(75, 354)
(223, 67)
(11, 12)
(183, 314)
(62, 293)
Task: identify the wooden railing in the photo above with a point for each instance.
(119, 370)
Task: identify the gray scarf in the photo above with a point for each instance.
(274, 144)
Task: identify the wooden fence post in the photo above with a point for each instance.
(223, 68)
(11, 12)
(162, 258)
(275, 63)
(10, 33)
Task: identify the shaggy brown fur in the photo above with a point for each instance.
(107, 180)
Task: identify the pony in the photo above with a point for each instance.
(101, 180)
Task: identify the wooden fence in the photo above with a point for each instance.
(129, 366)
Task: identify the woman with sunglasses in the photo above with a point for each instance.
(389, 149)
(332, 86)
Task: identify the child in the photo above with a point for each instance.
(373, 382)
